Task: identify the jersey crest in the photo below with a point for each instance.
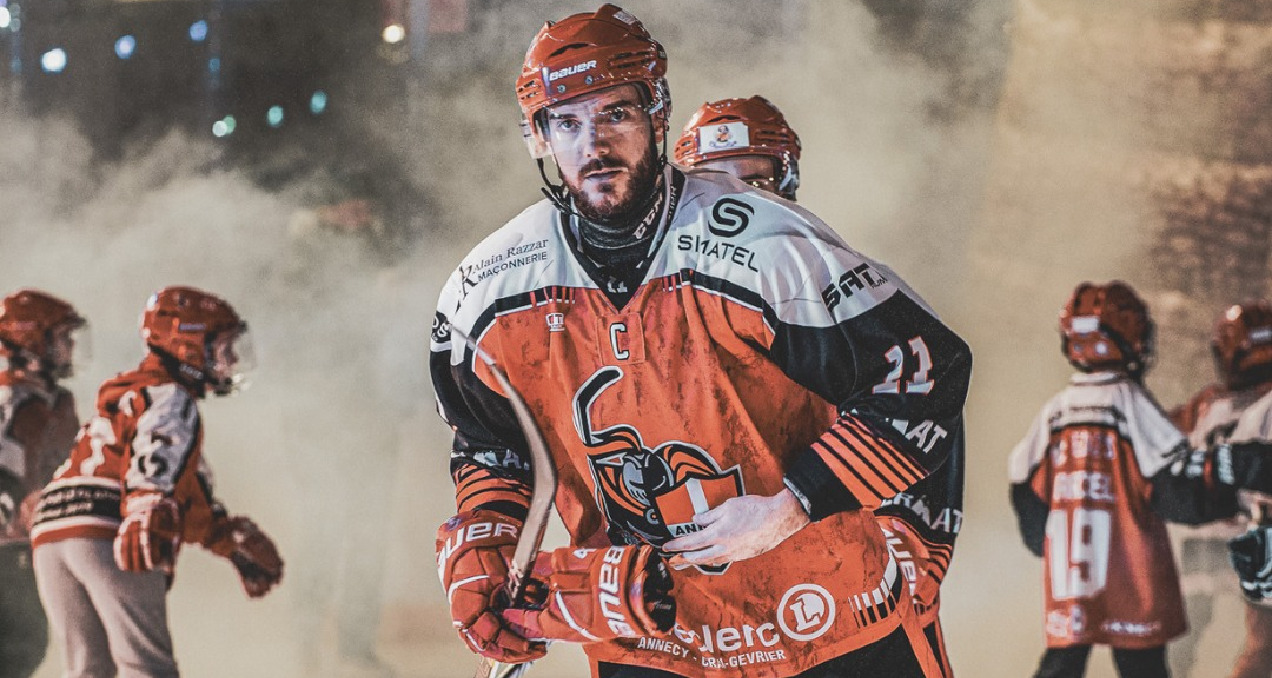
(648, 495)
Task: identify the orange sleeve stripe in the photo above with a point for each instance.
(843, 455)
(848, 477)
(476, 486)
(475, 501)
(882, 482)
(907, 466)
(877, 453)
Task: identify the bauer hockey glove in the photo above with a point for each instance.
(150, 535)
(250, 550)
(589, 595)
(473, 552)
(1251, 555)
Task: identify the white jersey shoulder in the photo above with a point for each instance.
(1232, 417)
(1105, 400)
(758, 241)
(167, 432)
(524, 255)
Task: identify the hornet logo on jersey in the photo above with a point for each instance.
(648, 495)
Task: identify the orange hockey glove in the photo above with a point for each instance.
(473, 552)
(252, 552)
(150, 535)
(587, 595)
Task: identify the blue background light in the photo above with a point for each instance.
(125, 46)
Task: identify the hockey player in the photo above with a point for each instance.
(41, 338)
(717, 375)
(110, 524)
(1236, 413)
(748, 138)
(1100, 468)
(751, 140)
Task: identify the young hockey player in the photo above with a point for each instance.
(717, 375)
(1237, 413)
(1093, 479)
(39, 338)
(751, 140)
(110, 524)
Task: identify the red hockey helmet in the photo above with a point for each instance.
(1242, 344)
(584, 53)
(36, 325)
(202, 333)
(735, 127)
(1106, 327)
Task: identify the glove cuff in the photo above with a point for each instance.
(475, 529)
(226, 535)
(653, 586)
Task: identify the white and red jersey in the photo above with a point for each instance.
(37, 429)
(1089, 457)
(146, 436)
(759, 353)
(1218, 417)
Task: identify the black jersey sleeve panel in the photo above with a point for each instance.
(1031, 516)
(488, 461)
(1202, 486)
(1246, 465)
(934, 506)
(899, 378)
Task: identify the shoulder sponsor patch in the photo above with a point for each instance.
(729, 217)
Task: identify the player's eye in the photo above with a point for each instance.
(566, 125)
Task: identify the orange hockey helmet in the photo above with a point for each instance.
(1242, 344)
(584, 53)
(185, 324)
(1106, 327)
(29, 322)
(734, 127)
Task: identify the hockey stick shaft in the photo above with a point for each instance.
(542, 494)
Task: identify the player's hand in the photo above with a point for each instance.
(473, 552)
(150, 535)
(740, 528)
(251, 551)
(588, 595)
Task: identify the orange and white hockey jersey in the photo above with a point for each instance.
(37, 428)
(760, 352)
(146, 436)
(1089, 459)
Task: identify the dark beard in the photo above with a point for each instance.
(629, 212)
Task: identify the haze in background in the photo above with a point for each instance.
(897, 106)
